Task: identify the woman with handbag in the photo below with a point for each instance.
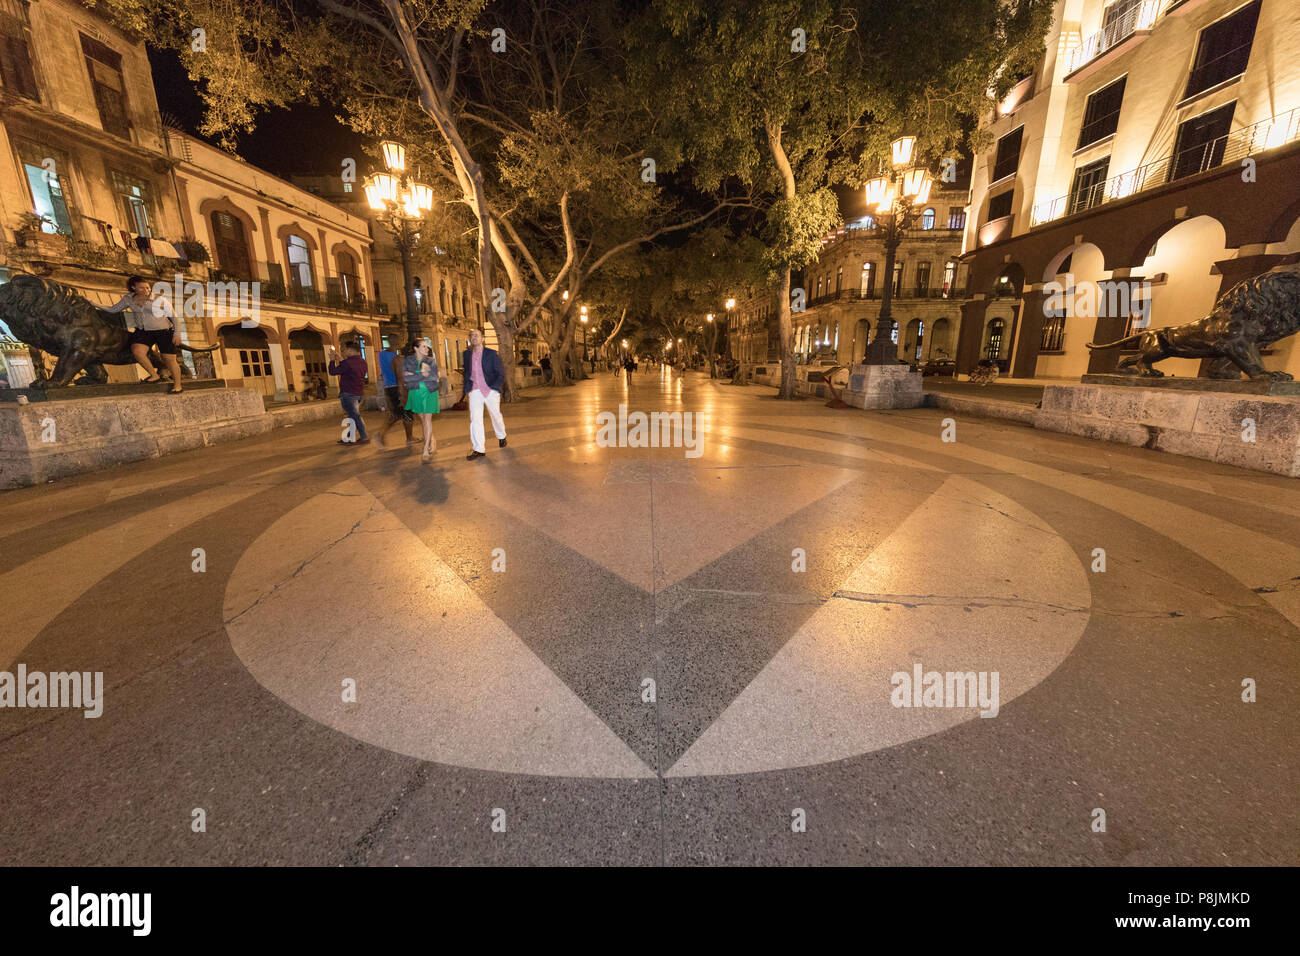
(420, 376)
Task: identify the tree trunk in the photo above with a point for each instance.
(787, 337)
(786, 172)
(506, 350)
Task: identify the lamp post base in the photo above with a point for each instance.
(884, 386)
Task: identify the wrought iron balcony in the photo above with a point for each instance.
(1141, 16)
(1228, 149)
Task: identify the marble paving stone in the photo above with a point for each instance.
(642, 658)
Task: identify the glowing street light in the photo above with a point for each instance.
(401, 204)
(896, 198)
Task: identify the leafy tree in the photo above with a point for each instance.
(787, 97)
(542, 142)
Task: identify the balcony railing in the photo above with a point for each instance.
(1140, 17)
(951, 233)
(1228, 149)
(908, 292)
(275, 290)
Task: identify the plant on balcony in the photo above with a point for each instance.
(194, 250)
(94, 255)
(30, 229)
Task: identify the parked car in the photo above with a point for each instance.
(941, 367)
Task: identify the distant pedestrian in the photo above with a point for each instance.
(390, 367)
(353, 374)
(484, 380)
(421, 381)
(546, 369)
(308, 387)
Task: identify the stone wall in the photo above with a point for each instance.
(43, 441)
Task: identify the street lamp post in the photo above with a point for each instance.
(401, 204)
(713, 345)
(729, 305)
(896, 198)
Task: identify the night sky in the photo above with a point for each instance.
(276, 144)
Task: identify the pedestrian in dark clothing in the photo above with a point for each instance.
(352, 373)
(546, 368)
(390, 366)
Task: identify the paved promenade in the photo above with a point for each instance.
(573, 653)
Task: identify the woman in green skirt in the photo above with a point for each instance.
(420, 374)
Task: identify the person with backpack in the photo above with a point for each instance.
(420, 377)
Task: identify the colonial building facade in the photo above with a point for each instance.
(102, 189)
(843, 289)
(1151, 162)
(840, 294)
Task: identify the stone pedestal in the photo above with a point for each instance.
(1209, 421)
(885, 386)
(53, 439)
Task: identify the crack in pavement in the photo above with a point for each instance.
(366, 842)
(952, 600)
(347, 534)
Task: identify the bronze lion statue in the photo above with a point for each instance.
(1251, 315)
(55, 319)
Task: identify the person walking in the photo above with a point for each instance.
(391, 367)
(352, 373)
(484, 379)
(154, 324)
(420, 380)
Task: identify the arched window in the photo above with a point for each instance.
(927, 219)
(349, 281)
(868, 280)
(230, 245)
(442, 296)
(300, 274)
(839, 279)
(819, 288)
(418, 291)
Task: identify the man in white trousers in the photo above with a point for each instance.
(484, 377)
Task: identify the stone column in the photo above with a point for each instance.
(1029, 338)
(968, 336)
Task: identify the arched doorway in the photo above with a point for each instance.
(941, 341)
(248, 351)
(914, 340)
(994, 340)
(861, 336)
(306, 360)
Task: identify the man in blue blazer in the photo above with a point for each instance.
(485, 377)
